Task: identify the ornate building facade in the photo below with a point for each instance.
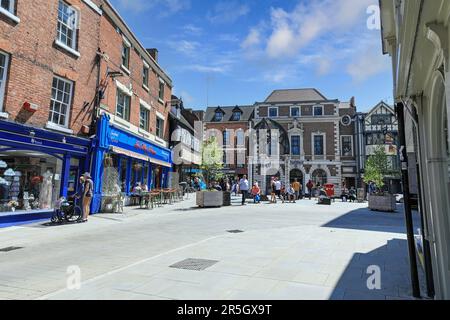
(303, 135)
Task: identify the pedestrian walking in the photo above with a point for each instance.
(87, 196)
(310, 186)
(297, 187)
(243, 188)
(273, 192)
(278, 186)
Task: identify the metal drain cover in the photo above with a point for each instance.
(8, 249)
(235, 231)
(194, 264)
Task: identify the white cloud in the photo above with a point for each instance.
(308, 21)
(192, 29)
(189, 48)
(206, 68)
(367, 64)
(227, 12)
(253, 39)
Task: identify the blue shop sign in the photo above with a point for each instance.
(16, 136)
(128, 141)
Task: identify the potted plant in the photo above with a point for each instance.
(377, 168)
(212, 166)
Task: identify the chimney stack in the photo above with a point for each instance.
(154, 53)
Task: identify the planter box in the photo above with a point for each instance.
(209, 199)
(386, 203)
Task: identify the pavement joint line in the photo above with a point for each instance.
(109, 273)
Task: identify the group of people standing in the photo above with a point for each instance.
(290, 193)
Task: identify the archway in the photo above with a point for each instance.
(319, 176)
(437, 175)
(296, 174)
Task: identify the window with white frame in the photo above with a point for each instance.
(161, 90)
(4, 61)
(159, 127)
(319, 145)
(273, 112)
(61, 100)
(123, 105)
(126, 49)
(67, 25)
(295, 112)
(318, 111)
(347, 146)
(8, 5)
(145, 72)
(295, 145)
(144, 118)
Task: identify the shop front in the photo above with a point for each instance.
(124, 161)
(37, 167)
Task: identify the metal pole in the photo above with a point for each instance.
(407, 202)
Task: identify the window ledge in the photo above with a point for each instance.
(127, 71)
(67, 48)
(55, 127)
(146, 88)
(4, 115)
(10, 15)
(144, 132)
(161, 101)
(121, 121)
(160, 140)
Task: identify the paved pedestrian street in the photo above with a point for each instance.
(276, 251)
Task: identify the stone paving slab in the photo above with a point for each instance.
(300, 251)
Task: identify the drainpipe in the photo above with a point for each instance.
(407, 202)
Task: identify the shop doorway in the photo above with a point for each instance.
(296, 174)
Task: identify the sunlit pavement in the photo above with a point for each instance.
(286, 251)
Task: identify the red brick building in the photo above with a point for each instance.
(230, 125)
(63, 68)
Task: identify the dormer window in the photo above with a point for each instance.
(218, 116)
(318, 111)
(236, 116)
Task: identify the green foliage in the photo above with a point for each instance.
(377, 168)
(212, 160)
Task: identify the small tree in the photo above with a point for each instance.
(212, 160)
(377, 168)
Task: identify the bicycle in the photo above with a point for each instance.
(66, 211)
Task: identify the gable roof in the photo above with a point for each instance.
(380, 105)
(296, 95)
(247, 113)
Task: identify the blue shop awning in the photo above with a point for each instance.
(139, 156)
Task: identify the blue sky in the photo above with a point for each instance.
(236, 52)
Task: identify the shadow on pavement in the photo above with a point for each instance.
(364, 219)
(385, 270)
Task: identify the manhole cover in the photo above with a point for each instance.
(235, 231)
(194, 264)
(8, 249)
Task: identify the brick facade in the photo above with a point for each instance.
(111, 45)
(34, 59)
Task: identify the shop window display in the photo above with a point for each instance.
(28, 182)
